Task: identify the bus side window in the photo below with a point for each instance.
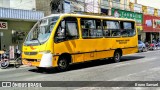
(91, 28)
(86, 25)
(111, 28)
(99, 31)
(71, 28)
(128, 29)
(105, 30)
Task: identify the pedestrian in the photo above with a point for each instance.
(4, 47)
(157, 40)
(18, 52)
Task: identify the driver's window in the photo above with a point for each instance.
(67, 30)
(61, 32)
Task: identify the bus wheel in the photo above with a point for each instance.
(63, 63)
(117, 56)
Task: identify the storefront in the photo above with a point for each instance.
(138, 17)
(151, 25)
(15, 25)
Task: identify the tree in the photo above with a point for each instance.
(56, 6)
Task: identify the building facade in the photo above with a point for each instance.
(43, 5)
(151, 19)
(18, 4)
(15, 24)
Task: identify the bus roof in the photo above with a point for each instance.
(90, 16)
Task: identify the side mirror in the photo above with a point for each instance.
(63, 24)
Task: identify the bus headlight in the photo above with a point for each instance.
(45, 52)
(38, 60)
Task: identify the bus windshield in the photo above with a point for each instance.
(41, 31)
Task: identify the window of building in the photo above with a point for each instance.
(91, 28)
(116, 0)
(111, 28)
(116, 4)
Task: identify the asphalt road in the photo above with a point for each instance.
(135, 67)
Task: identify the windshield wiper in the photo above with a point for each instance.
(37, 40)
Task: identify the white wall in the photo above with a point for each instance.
(151, 3)
(22, 4)
(5, 3)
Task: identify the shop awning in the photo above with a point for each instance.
(19, 14)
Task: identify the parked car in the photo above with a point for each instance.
(141, 46)
(158, 45)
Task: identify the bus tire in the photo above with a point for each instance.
(63, 63)
(117, 56)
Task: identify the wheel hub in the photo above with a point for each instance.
(117, 56)
(62, 63)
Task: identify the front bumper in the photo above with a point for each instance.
(30, 63)
(43, 60)
(31, 60)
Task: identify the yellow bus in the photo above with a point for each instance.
(59, 40)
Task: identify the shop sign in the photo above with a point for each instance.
(3, 25)
(156, 23)
(151, 23)
(128, 14)
(147, 26)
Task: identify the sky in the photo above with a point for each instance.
(152, 3)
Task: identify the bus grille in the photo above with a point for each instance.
(30, 53)
(32, 60)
